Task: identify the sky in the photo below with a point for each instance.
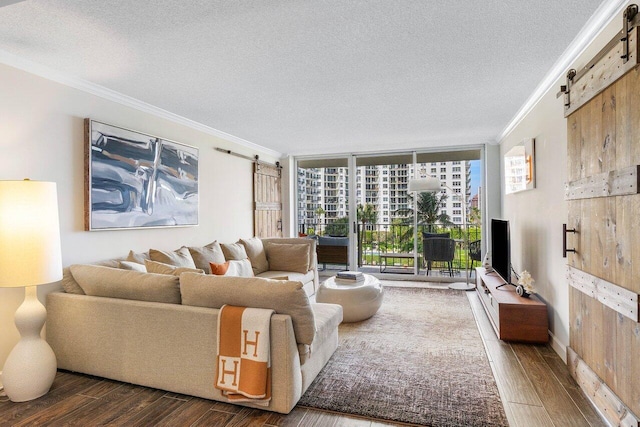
(476, 176)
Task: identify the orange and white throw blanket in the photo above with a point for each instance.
(244, 361)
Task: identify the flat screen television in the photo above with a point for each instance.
(501, 248)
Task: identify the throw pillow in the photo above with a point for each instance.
(219, 269)
(257, 255)
(285, 297)
(203, 255)
(138, 257)
(234, 267)
(288, 257)
(234, 251)
(161, 268)
(129, 265)
(180, 257)
(310, 242)
(126, 284)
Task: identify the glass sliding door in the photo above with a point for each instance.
(384, 236)
(362, 203)
(322, 206)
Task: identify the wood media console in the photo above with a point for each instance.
(513, 317)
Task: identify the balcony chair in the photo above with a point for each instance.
(439, 249)
(332, 250)
(475, 251)
(426, 235)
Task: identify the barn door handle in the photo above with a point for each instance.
(279, 226)
(566, 230)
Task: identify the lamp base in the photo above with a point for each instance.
(31, 366)
(462, 286)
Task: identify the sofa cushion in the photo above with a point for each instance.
(234, 267)
(327, 317)
(257, 255)
(203, 255)
(109, 282)
(180, 257)
(288, 257)
(234, 251)
(162, 268)
(283, 296)
(69, 283)
(289, 275)
(130, 265)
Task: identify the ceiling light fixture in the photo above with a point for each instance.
(430, 184)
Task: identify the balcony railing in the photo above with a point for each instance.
(376, 242)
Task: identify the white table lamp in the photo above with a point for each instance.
(29, 256)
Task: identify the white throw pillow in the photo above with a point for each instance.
(234, 267)
(130, 265)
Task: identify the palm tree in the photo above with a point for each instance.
(319, 212)
(429, 209)
(366, 214)
(338, 228)
(429, 213)
(475, 216)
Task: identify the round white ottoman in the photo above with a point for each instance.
(359, 300)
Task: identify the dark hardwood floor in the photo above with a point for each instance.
(535, 387)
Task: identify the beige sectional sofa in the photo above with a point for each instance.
(160, 330)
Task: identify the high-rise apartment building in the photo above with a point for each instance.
(455, 178)
(322, 193)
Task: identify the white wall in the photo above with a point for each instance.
(536, 216)
(42, 138)
(491, 193)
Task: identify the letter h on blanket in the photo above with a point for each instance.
(244, 375)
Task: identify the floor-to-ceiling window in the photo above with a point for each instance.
(362, 201)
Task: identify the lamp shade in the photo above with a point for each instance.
(422, 185)
(29, 234)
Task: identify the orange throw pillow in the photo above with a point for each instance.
(219, 269)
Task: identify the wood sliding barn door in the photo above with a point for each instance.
(604, 272)
(267, 200)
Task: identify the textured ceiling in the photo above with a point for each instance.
(310, 76)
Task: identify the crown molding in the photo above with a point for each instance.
(111, 95)
(607, 11)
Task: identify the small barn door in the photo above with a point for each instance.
(267, 200)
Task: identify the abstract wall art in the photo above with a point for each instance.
(136, 180)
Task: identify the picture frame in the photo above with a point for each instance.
(135, 180)
(519, 167)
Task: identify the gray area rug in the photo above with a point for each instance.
(419, 360)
